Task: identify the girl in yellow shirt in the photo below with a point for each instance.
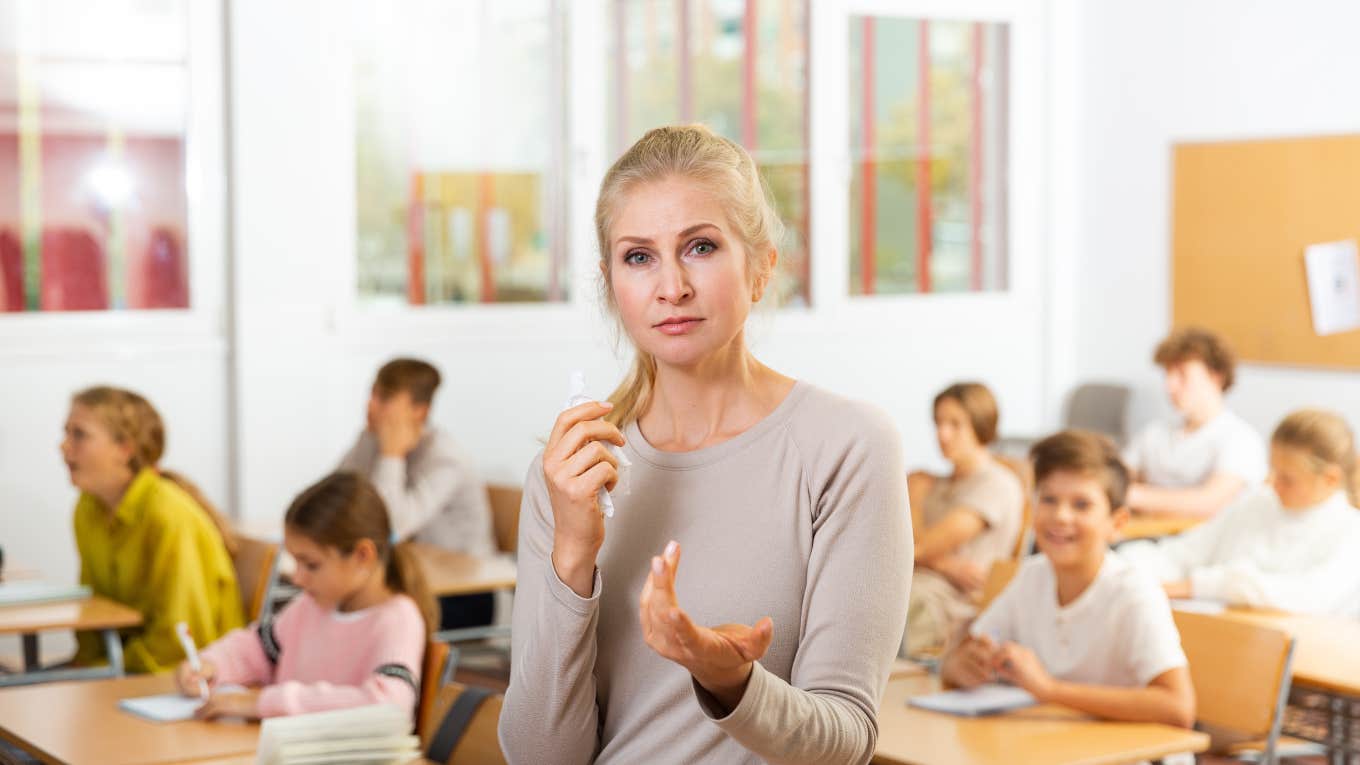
(146, 537)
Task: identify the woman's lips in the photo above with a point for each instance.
(678, 326)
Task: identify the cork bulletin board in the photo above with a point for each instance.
(1243, 212)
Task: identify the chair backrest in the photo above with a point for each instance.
(505, 514)
(1024, 472)
(256, 563)
(1100, 407)
(474, 743)
(1000, 575)
(1240, 672)
(431, 680)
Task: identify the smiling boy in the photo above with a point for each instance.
(1079, 626)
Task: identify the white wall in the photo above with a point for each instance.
(306, 353)
(1156, 72)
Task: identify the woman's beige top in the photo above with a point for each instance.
(802, 518)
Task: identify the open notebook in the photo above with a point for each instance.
(989, 699)
(371, 734)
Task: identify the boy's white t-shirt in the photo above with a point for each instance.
(1118, 632)
(1166, 455)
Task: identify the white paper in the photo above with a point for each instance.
(169, 707)
(988, 699)
(1334, 286)
(37, 591)
(576, 397)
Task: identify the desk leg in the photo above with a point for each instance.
(113, 647)
(31, 658)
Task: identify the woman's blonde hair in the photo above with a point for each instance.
(695, 153)
(131, 419)
(1327, 440)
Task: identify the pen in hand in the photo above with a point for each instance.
(191, 653)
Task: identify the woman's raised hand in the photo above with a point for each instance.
(719, 658)
(576, 465)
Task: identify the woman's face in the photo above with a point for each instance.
(679, 273)
(96, 460)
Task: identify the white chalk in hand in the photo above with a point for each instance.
(577, 397)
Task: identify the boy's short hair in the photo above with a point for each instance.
(978, 403)
(1196, 343)
(1087, 453)
(418, 378)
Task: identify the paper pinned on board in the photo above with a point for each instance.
(1334, 286)
(576, 397)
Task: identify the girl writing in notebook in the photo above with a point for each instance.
(355, 636)
(1290, 545)
(147, 537)
(786, 502)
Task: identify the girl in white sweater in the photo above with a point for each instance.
(1288, 546)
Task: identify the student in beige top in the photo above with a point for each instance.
(787, 502)
(963, 522)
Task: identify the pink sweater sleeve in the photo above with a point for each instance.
(239, 656)
(390, 650)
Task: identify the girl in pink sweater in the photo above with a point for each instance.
(354, 636)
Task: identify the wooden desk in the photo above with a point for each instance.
(906, 668)
(450, 573)
(1145, 526)
(1327, 652)
(446, 572)
(93, 613)
(1038, 736)
(80, 722)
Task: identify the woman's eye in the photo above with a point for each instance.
(635, 258)
(704, 248)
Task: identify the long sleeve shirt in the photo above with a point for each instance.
(803, 517)
(434, 494)
(160, 553)
(310, 659)
(1257, 553)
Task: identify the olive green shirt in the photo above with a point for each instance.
(160, 553)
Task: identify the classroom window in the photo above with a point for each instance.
(459, 144)
(738, 66)
(93, 111)
(928, 136)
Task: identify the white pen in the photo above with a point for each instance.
(191, 652)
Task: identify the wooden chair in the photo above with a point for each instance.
(1241, 675)
(431, 680)
(1000, 575)
(465, 731)
(505, 501)
(1024, 472)
(256, 563)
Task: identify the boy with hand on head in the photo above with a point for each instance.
(1207, 456)
(1078, 625)
(432, 490)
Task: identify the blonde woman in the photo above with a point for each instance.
(147, 538)
(773, 640)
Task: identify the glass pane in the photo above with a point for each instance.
(458, 151)
(928, 134)
(93, 107)
(738, 66)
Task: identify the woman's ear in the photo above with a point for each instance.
(1332, 477)
(763, 280)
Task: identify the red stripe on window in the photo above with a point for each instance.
(748, 77)
(415, 241)
(486, 198)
